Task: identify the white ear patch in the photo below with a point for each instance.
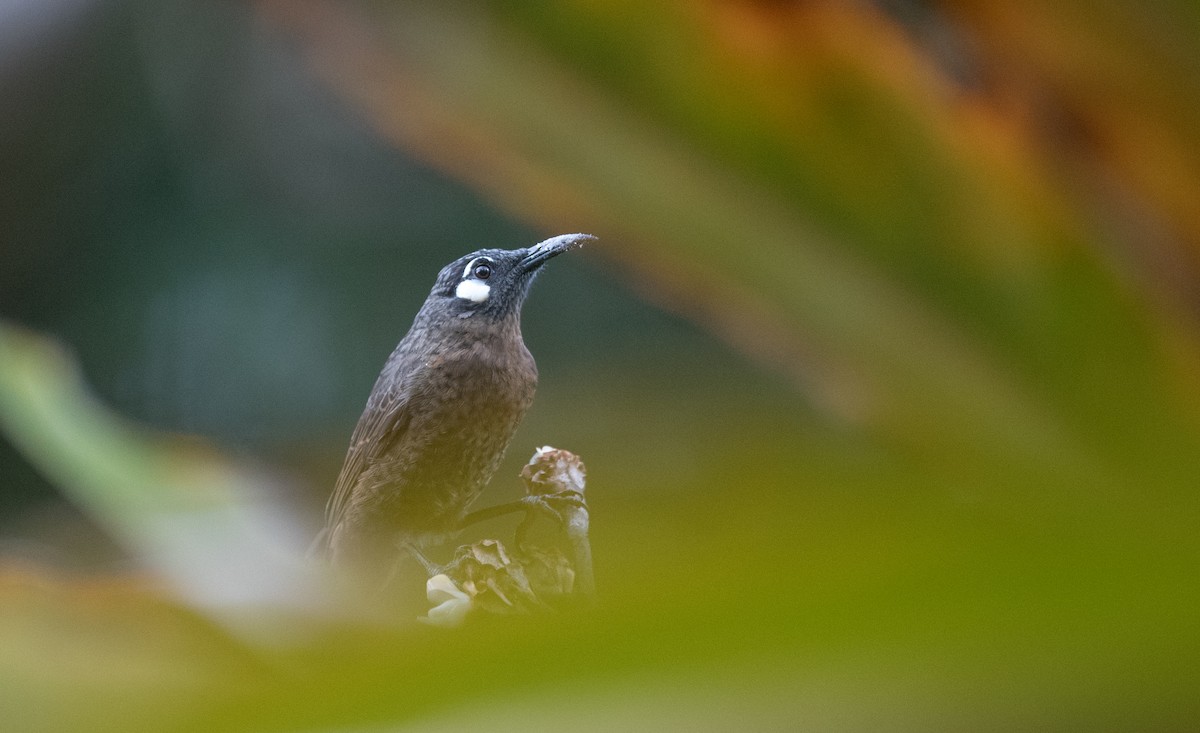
(473, 290)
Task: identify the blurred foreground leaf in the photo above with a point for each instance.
(865, 602)
(209, 529)
(907, 253)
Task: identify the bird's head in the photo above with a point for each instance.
(493, 283)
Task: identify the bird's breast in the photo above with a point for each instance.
(468, 404)
(481, 374)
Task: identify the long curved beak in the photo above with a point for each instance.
(538, 254)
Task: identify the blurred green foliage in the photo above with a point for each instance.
(943, 478)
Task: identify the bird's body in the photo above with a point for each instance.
(442, 411)
(433, 433)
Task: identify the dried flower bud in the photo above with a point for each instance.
(554, 471)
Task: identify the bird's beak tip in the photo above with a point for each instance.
(554, 246)
(564, 242)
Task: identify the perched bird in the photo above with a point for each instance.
(442, 411)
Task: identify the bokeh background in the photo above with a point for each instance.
(885, 369)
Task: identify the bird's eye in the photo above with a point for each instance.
(482, 271)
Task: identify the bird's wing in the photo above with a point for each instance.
(381, 425)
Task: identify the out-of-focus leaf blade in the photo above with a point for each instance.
(964, 339)
(204, 525)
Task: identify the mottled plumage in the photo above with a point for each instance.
(442, 411)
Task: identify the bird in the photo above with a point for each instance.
(442, 412)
